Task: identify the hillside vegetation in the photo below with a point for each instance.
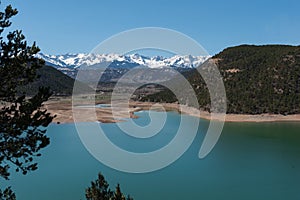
(257, 79)
(59, 83)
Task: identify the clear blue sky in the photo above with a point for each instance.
(71, 26)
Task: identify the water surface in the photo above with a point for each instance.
(250, 161)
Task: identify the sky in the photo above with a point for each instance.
(71, 26)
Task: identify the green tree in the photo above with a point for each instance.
(23, 121)
(118, 194)
(7, 194)
(99, 190)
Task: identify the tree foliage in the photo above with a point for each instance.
(23, 121)
(99, 190)
(257, 79)
(7, 194)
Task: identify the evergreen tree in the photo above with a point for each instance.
(99, 190)
(118, 194)
(7, 194)
(257, 80)
(23, 121)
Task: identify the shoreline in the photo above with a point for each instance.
(62, 108)
(228, 117)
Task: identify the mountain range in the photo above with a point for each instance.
(70, 63)
(257, 79)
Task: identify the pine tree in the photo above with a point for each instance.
(118, 194)
(7, 194)
(23, 121)
(99, 190)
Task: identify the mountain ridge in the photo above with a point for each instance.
(74, 61)
(257, 80)
(58, 83)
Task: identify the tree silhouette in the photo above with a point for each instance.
(23, 121)
(99, 190)
(7, 194)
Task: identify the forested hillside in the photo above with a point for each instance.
(59, 83)
(257, 79)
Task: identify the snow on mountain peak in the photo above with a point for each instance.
(77, 60)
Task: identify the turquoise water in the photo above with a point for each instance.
(250, 161)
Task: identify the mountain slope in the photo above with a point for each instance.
(58, 82)
(73, 61)
(257, 79)
(115, 66)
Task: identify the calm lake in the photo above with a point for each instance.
(250, 161)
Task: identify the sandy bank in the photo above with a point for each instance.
(62, 108)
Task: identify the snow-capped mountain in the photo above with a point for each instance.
(74, 61)
(117, 65)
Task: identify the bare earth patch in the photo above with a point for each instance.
(62, 108)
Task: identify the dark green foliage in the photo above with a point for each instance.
(59, 83)
(268, 80)
(18, 65)
(22, 120)
(257, 79)
(99, 190)
(7, 194)
(22, 132)
(164, 96)
(118, 194)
